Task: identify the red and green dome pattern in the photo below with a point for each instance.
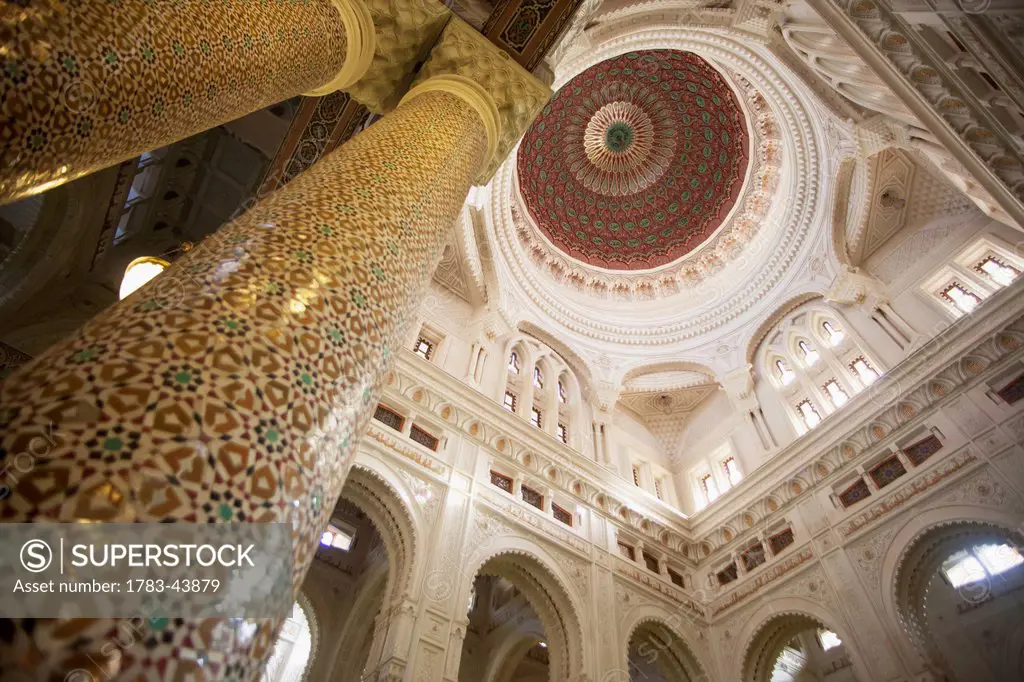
(636, 161)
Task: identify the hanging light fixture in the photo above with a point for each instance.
(139, 272)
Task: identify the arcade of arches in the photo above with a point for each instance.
(574, 340)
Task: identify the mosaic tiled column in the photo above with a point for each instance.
(90, 83)
(233, 387)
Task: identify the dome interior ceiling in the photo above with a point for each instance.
(636, 161)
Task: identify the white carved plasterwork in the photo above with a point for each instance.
(888, 201)
(982, 489)
(513, 510)
(868, 553)
(426, 495)
(720, 300)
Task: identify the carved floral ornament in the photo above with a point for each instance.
(772, 234)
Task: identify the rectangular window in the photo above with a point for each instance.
(808, 413)
(732, 470)
(510, 401)
(887, 471)
(636, 476)
(389, 417)
(423, 348)
(563, 433)
(855, 493)
(836, 393)
(922, 450)
(502, 481)
(423, 437)
(657, 489)
(627, 551)
(532, 497)
(562, 515)
(962, 299)
(1013, 391)
(651, 563)
(727, 574)
(781, 541)
(535, 417)
(753, 557)
(675, 578)
(864, 370)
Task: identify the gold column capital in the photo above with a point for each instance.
(475, 96)
(362, 43)
(518, 94)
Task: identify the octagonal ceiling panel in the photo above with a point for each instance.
(636, 161)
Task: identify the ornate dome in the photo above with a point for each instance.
(636, 161)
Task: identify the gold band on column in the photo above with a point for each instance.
(362, 43)
(475, 96)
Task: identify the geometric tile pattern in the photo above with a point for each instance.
(887, 471)
(526, 29)
(89, 84)
(233, 387)
(918, 452)
(855, 493)
(636, 161)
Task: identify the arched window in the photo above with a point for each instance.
(562, 397)
(810, 355)
(786, 375)
(835, 336)
(538, 377)
(513, 362)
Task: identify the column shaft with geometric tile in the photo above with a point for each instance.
(91, 83)
(234, 386)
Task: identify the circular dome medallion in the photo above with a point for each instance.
(636, 161)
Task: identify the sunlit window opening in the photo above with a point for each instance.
(810, 355)
(836, 393)
(732, 470)
(964, 300)
(561, 392)
(538, 378)
(510, 401)
(535, 417)
(336, 538)
(808, 413)
(835, 336)
(980, 562)
(423, 348)
(513, 363)
(708, 487)
(829, 639)
(140, 272)
(563, 433)
(1000, 273)
(786, 375)
(864, 370)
